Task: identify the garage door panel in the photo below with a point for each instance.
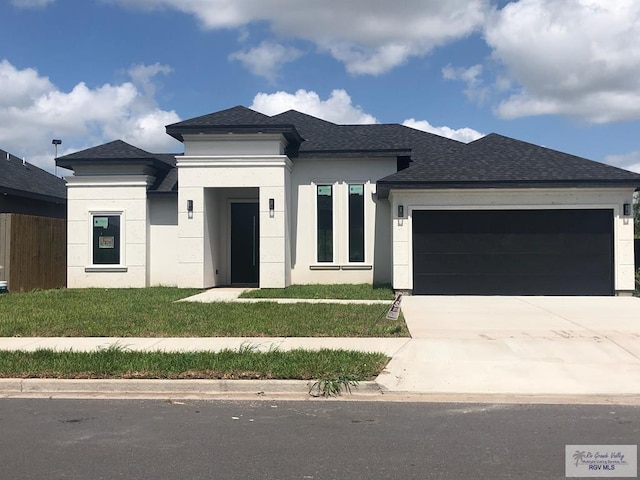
(519, 252)
(508, 285)
(510, 264)
(511, 243)
(512, 221)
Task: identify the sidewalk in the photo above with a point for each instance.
(388, 346)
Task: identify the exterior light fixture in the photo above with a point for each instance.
(626, 209)
(400, 211)
(272, 204)
(190, 208)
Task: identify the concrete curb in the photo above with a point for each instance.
(39, 387)
(172, 390)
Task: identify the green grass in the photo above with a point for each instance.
(363, 291)
(153, 312)
(228, 364)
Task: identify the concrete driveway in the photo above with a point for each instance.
(519, 345)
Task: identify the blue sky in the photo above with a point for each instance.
(560, 73)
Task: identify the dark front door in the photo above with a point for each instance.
(513, 252)
(245, 247)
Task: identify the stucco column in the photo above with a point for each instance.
(275, 255)
(401, 239)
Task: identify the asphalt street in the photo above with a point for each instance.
(314, 439)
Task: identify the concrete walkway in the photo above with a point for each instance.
(233, 294)
(461, 348)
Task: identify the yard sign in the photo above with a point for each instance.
(394, 311)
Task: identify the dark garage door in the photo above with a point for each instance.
(513, 252)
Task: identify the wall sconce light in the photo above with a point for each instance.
(190, 208)
(272, 207)
(626, 209)
(400, 211)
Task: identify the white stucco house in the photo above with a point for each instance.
(271, 201)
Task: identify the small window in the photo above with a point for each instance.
(106, 239)
(324, 197)
(356, 223)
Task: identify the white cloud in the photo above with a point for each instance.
(472, 77)
(20, 87)
(337, 108)
(369, 37)
(628, 161)
(143, 76)
(464, 134)
(361, 61)
(578, 58)
(266, 59)
(31, 3)
(34, 111)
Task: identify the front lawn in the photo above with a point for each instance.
(227, 364)
(154, 312)
(363, 291)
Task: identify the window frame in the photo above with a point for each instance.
(363, 223)
(333, 186)
(120, 242)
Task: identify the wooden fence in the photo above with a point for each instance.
(33, 252)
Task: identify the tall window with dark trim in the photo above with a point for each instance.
(324, 201)
(106, 239)
(356, 223)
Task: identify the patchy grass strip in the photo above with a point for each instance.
(226, 364)
(362, 291)
(154, 312)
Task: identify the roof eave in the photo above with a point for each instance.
(66, 162)
(386, 153)
(162, 192)
(384, 188)
(288, 131)
(32, 195)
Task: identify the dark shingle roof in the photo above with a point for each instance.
(438, 162)
(316, 137)
(28, 180)
(238, 116)
(234, 120)
(116, 151)
(498, 161)
(166, 182)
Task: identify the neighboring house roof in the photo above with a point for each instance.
(24, 179)
(498, 161)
